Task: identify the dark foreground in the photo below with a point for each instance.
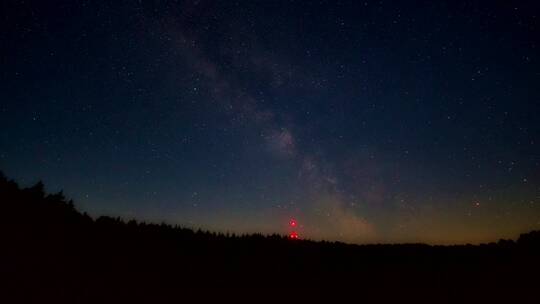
(51, 253)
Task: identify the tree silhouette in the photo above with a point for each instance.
(53, 253)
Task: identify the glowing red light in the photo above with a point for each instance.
(293, 235)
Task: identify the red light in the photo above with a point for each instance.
(292, 223)
(293, 235)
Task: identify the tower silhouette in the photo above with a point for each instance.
(292, 224)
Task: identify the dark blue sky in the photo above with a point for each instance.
(375, 121)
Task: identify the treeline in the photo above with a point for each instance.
(54, 253)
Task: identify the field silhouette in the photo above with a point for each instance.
(53, 253)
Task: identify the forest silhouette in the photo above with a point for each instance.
(53, 253)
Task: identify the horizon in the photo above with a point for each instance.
(294, 227)
(367, 122)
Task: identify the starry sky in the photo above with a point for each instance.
(366, 121)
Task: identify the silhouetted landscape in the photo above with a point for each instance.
(53, 253)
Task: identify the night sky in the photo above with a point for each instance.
(377, 121)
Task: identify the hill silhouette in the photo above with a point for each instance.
(53, 253)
